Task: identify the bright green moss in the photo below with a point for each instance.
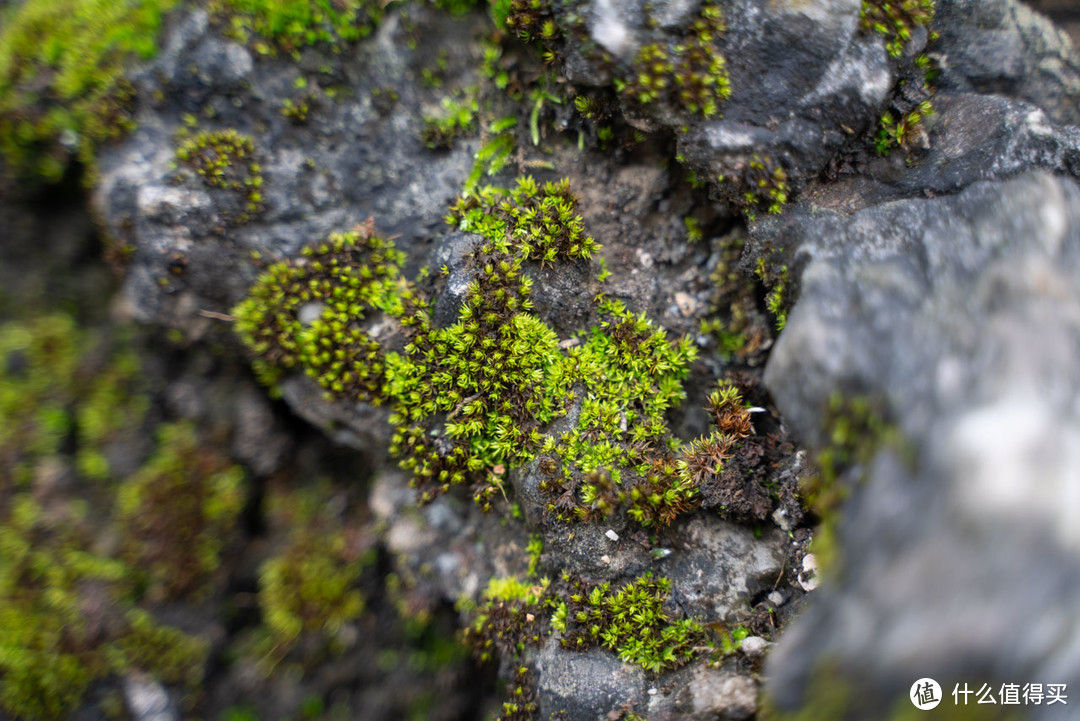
(455, 118)
(540, 223)
(178, 512)
(66, 616)
(288, 26)
(901, 133)
(471, 397)
(631, 621)
(62, 91)
(472, 400)
(895, 19)
(621, 449)
(308, 313)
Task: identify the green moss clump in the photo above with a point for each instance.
(895, 19)
(308, 313)
(473, 399)
(530, 20)
(178, 513)
(760, 185)
(62, 90)
(310, 587)
(776, 281)
(296, 111)
(621, 448)
(45, 397)
(225, 159)
(455, 119)
(63, 622)
(288, 26)
(631, 621)
(540, 223)
(687, 72)
(901, 130)
(509, 619)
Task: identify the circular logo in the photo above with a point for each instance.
(925, 694)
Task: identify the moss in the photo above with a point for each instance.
(472, 400)
(67, 618)
(62, 87)
(759, 185)
(632, 621)
(775, 281)
(509, 618)
(455, 118)
(522, 702)
(225, 160)
(621, 448)
(472, 396)
(309, 588)
(296, 111)
(901, 130)
(857, 431)
(686, 72)
(532, 21)
(736, 325)
(895, 19)
(288, 26)
(540, 223)
(178, 513)
(47, 397)
(307, 313)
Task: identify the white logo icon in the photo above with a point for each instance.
(925, 694)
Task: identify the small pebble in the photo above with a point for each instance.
(612, 535)
(754, 646)
(808, 578)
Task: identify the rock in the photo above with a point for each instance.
(585, 684)
(962, 313)
(754, 647)
(798, 75)
(147, 700)
(943, 281)
(1005, 48)
(720, 695)
(720, 566)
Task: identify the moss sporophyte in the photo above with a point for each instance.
(474, 399)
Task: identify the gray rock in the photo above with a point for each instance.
(963, 314)
(803, 77)
(721, 695)
(586, 685)
(1002, 47)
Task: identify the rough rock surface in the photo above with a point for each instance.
(961, 312)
